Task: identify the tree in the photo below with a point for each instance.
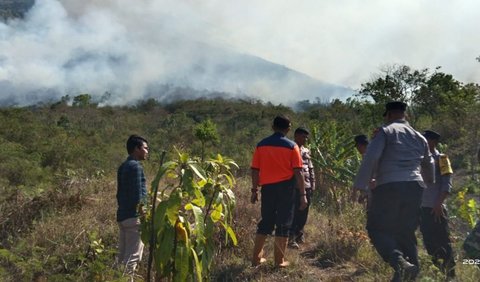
(82, 100)
(206, 131)
(398, 83)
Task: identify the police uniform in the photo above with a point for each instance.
(300, 217)
(400, 159)
(435, 231)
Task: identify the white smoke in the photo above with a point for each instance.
(131, 48)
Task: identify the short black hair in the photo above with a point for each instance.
(395, 106)
(431, 135)
(281, 122)
(361, 139)
(135, 141)
(302, 130)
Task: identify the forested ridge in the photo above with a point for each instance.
(59, 160)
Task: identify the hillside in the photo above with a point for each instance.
(57, 188)
(14, 8)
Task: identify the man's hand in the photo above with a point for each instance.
(254, 197)
(354, 195)
(303, 202)
(437, 212)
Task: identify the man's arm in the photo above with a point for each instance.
(135, 173)
(311, 173)
(428, 167)
(255, 184)
(370, 161)
(445, 190)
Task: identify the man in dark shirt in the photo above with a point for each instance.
(276, 166)
(131, 193)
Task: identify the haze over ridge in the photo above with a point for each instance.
(131, 50)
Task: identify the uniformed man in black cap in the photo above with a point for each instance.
(434, 220)
(399, 158)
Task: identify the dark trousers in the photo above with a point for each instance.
(436, 238)
(300, 216)
(392, 220)
(277, 208)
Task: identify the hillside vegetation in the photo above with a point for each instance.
(59, 160)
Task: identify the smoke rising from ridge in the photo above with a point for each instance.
(129, 48)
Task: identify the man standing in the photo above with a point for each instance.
(297, 234)
(276, 166)
(361, 144)
(434, 222)
(399, 158)
(131, 194)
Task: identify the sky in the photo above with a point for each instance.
(125, 46)
(346, 41)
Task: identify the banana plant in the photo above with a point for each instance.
(197, 201)
(335, 159)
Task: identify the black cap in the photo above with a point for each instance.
(396, 105)
(431, 135)
(302, 130)
(361, 139)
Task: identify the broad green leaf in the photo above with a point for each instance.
(230, 233)
(199, 198)
(198, 266)
(182, 262)
(217, 214)
(164, 249)
(199, 223)
(197, 170)
(173, 207)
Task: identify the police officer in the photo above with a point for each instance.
(297, 234)
(361, 144)
(397, 156)
(434, 220)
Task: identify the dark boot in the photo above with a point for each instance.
(404, 270)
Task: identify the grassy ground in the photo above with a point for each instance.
(76, 241)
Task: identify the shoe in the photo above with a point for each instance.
(300, 239)
(293, 245)
(408, 271)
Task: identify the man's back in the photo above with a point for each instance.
(397, 153)
(276, 156)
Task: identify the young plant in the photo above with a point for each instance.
(196, 202)
(334, 156)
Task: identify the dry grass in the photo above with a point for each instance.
(57, 246)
